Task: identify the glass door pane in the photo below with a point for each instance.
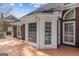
(66, 32)
(69, 33)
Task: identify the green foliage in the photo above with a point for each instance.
(5, 29)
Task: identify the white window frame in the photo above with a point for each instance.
(33, 33)
(68, 12)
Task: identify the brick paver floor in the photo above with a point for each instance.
(16, 47)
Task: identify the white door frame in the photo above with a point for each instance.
(47, 45)
(74, 33)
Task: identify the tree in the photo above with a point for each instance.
(5, 10)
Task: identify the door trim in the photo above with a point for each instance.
(74, 33)
(58, 32)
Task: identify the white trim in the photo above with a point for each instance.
(71, 5)
(74, 33)
(59, 32)
(68, 12)
(36, 45)
(16, 23)
(53, 33)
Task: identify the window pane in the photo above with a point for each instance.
(71, 39)
(70, 15)
(66, 38)
(32, 32)
(66, 28)
(47, 32)
(69, 32)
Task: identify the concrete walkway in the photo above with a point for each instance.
(16, 47)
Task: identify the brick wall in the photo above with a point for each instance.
(77, 26)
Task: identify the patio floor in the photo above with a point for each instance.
(16, 47)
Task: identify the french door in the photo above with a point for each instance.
(69, 32)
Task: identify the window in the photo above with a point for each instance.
(32, 29)
(47, 32)
(69, 15)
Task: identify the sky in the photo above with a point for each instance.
(20, 9)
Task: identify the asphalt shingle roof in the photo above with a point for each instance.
(11, 17)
